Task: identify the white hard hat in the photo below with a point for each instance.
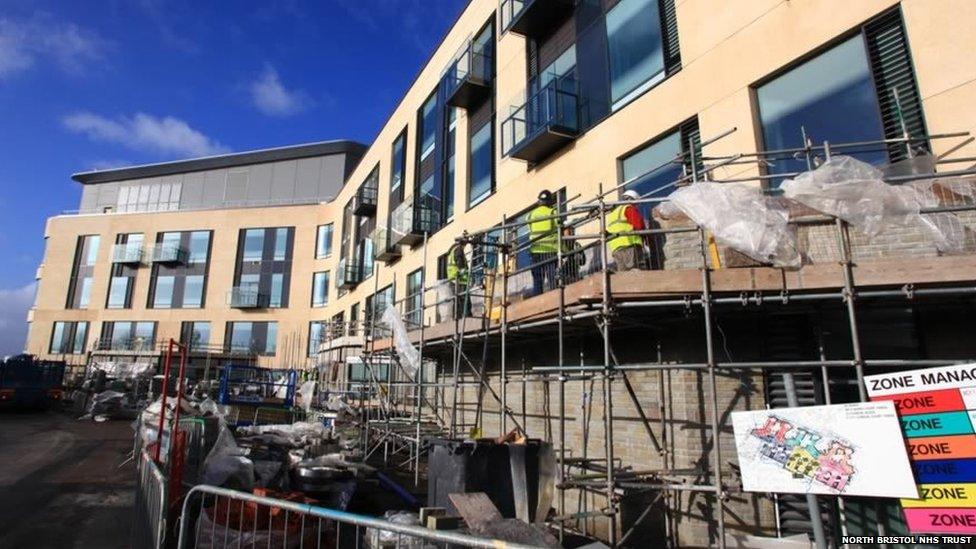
(631, 195)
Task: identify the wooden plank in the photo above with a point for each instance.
(476, 509)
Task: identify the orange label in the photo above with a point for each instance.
(949, 447)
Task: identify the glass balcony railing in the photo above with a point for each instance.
(130, 254)
(169, 253)
(469, 76)
(546, 122)
(384, 247)
(349, 275)
(134, 344)
(247, 296)
(364, 203)
(414, 218)
(533, 18)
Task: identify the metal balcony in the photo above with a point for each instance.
(364, 203)
(545, 123)
(169, 253)
(129, 254)
(247, 296)
(534, 18)
(412, 219)
(349, 274)
(385, 249)
(469, 77)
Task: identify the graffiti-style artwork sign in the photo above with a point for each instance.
(937, 408)
(844, 449)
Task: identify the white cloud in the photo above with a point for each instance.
(13, 318)
(145, 132)
(25, 42)
(272, 98)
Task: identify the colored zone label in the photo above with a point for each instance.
(929, 402)
(951, 447)
(939, 471)
(941, 521)
(943, 495)
(930, 425)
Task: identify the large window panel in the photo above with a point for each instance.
(481, 165)
(428, 126)
(323, 241)
(69, 338)
(635, 47)
(830, 97)
(320, 289)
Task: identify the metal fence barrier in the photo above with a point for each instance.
(217, 517)
(149, 526)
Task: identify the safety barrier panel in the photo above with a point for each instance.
(217, 517)
(149, 526)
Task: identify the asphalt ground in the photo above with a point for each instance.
(61, 484)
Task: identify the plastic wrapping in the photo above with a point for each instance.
(124, 370)
(854, 191)
(740, 217)
(444, 293)
(383, 538)
(306, 395)
(226, 465)
(409, 356)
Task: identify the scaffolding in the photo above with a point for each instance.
(402, 410)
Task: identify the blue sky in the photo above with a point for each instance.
(87, 85)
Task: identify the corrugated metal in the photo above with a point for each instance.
(556, 43)
(891, 64)
(669, 28)
(691, 138)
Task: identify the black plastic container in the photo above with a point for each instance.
(458, 466)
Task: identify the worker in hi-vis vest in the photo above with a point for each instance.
(458, 276)
(544, 243)
(627, 249)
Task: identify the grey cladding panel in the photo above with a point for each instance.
(331, 176)
(259, 183)
(236, 190)
(108, 195)
(307, 178)
(193, 195)
(283, 180)
(89, 198)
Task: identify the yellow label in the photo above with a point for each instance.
(944, 495)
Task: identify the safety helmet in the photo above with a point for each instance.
(545, 197)
(631, 195)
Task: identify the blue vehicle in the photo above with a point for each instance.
(260, 387)
(26, 382)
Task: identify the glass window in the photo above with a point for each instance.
(240, 336)
(81, 338)
(58, 338)
(399, 160)
(145, 333)
(320, 289)
(316, 335)
(163, 294)
(413, 311)
(199, 246)
(481, 165)
(253, 244)
(172, 239)
(84, 297)
(271, 341)
(250, 281)
(281, 244)
(831, 97)
(323, 241)
(563, 64)
(196, 335)
(277, 285)
(193, 292)
(635, 48)
(91, 249)
(118, 292)
(428, 124)
(651, 171)
(122, 337)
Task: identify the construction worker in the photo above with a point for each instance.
(459, 276)
(627, 249)
(543, 243)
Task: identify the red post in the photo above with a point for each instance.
(162, 408)
(177, 437)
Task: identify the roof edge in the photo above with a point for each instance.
(353, 149)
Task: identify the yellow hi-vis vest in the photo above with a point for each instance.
(617, 223)
(453, 272)
(542, 233)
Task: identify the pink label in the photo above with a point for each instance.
(941, 521)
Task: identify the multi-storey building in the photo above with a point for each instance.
(230, 253)
(580, 98)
